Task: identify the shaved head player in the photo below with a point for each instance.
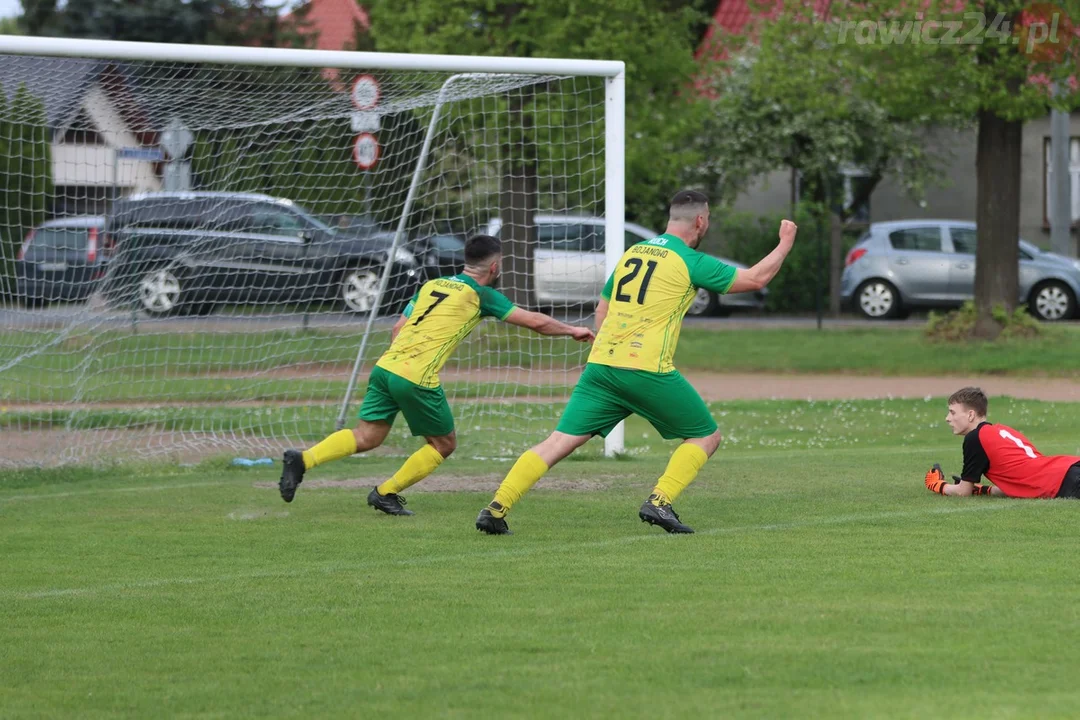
(1003, 455)
(630, 368)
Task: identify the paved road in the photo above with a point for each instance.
(60, 316)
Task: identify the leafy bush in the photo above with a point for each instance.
(26, 169)
(959, 325)
(748, 238)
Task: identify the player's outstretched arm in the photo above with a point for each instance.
(760, 275)
(601, 313)
(546, 325)
(935, 482)
(397, 327)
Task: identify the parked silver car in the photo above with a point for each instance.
(904, 264)
(569, 265)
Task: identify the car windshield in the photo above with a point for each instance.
(449, 243)
(363, 223)
(317, 222)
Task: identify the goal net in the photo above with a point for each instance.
(194, 251)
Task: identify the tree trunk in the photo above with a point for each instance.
(836, 261)
(518, 198)
(997, 214)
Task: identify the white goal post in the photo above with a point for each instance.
(130, 326)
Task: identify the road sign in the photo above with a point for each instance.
(365, 92)
(365, 151)
(176, 139)
(147, 154)
(365, 121)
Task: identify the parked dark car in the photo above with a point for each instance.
(441, 255)
(61, 261)
(185, 252)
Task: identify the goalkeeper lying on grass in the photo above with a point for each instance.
(1003, 455)
(406, 378)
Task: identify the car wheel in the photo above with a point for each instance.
(703, 304)
(359, 289)
(1052, 301)
(159, 292)
(878, 300)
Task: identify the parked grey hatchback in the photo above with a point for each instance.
(905, 264)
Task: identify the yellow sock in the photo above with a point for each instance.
(681, 470)
(526, 471)
(334, 447)
(419, 465)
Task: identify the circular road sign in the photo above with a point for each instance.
(365, 92)
(365, 151)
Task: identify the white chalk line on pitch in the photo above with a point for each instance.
(334, 569)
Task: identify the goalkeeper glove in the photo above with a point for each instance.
(935, 480)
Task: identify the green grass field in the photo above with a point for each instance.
(823, 581)
(115, 366)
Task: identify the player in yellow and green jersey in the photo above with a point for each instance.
(406, 378)
(630, 368)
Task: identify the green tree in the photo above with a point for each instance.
(990, 64)
(26, 164)
(766, 117)
(220, 22)
(10, 26)
(655, 38)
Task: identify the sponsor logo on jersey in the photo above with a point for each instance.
(646, 250)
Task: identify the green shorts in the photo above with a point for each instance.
(425, 409)
(605, 396)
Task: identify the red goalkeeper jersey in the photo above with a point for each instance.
(1010, 461)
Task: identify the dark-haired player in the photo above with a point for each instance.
(631, 369)
(1003, 455)
(406, 378)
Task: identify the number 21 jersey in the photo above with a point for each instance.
(648, 294)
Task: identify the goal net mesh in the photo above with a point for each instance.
(189, 252)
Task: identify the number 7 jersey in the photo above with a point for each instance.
(648, 295)
(441, 314)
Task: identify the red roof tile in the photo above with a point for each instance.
(334, 23)
(732, 16)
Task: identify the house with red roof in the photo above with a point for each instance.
(776, 191)
(335, 23)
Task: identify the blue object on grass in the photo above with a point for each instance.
(248, 462)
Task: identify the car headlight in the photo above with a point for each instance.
(403, 256)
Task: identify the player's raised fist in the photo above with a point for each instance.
(788, 230)
(582, 334)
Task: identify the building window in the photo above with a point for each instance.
(1074, 181)
(855, 180)
(843, 186)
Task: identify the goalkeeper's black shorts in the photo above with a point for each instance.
(1070, 486)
